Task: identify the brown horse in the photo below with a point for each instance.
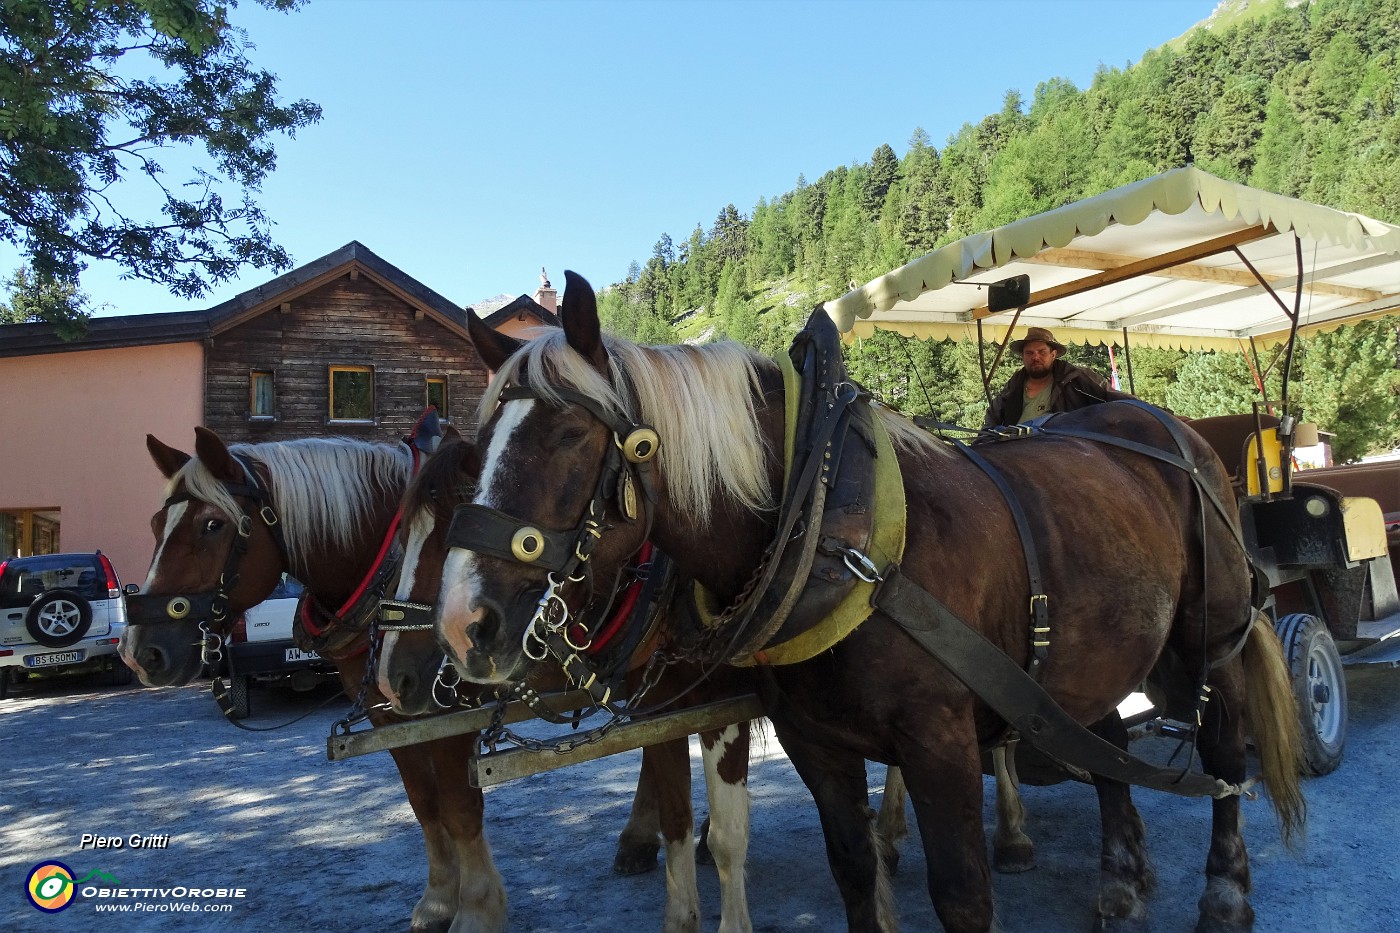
(332, 503)
(411, 662)
(1136, 566)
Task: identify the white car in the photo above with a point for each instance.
(262, 649)
(60, 612)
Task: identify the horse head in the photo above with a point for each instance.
(215, 555)
(575, 480)
(411, 664)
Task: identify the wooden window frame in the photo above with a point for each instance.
(253, 413)
(331, 371)
(444, 408)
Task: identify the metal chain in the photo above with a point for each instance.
(358, 711)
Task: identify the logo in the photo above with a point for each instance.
(50, 886)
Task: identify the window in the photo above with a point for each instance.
(261, 397)
(436, 394)
(352, 393)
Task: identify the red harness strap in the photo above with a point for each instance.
(625, 607)
(384, 548)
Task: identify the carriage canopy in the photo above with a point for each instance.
(1160, 258)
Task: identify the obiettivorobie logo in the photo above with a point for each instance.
(51, 885)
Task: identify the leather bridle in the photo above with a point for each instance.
(212, 605)
(626, 478)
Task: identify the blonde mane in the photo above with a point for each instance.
(322, 487)
(700, 399)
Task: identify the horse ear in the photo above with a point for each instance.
(492, 346)
(213, 453)
(168, 459)
(580, 318)
(449, 433)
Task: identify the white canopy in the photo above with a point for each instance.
(1156, 257)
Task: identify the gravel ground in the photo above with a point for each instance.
(332, 846)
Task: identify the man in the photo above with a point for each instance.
(1045, 383)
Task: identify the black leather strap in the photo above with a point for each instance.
(1040, 600)
(1018, 699)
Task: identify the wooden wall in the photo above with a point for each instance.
(346, 322)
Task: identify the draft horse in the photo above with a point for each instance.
(1134, 565)
(411, 666)
(324, 511)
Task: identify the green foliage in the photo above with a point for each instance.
(35, 297)
(1303, 100)
(1350, 385)
(75, 123)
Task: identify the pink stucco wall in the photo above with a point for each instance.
(73, 432)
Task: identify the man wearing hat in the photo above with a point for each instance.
(1045, 383)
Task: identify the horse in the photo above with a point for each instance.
(411, 661)
(1141, 561)
(322, 510)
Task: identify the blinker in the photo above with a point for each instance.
(640, 445)
(527, 545)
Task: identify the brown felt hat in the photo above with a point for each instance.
(1037, 333)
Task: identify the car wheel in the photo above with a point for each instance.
(58, 618)
(238, 687)
(4, 683)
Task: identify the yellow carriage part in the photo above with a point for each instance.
(1364, 524)
(1272, 453)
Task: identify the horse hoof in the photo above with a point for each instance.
(1011, 860)
(637, 860)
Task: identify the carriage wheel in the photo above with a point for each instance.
(1319, 688)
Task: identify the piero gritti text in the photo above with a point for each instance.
(134, 841)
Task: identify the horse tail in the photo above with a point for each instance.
(1272, 718)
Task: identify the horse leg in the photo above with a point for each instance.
(480, 895)
(726, 756)
(1224, 907)
(1012, 849)
(435, 908)
(890, 825)
(1126, 879)
(638, 844)
(945, 785)
(837, 782)
(667, 767)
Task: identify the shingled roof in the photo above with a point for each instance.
(181, 326)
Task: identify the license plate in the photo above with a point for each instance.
(58, 657)
(296, 654)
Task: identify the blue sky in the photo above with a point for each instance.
(470, 142)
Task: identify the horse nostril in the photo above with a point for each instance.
(151, 659)
(485, 629)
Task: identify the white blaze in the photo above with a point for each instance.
(459, 576)
(172, 521)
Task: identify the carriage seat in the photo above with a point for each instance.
(1231, 436)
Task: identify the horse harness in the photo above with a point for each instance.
(583, 645)
(320, 630)
(825, 431)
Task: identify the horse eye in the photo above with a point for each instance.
(212, 525)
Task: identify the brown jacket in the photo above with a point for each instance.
(1073, 387)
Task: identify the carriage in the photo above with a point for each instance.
(1189, 260)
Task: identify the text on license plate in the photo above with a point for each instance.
(58, 657)
(296, 654)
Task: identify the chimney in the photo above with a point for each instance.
(545, 296)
